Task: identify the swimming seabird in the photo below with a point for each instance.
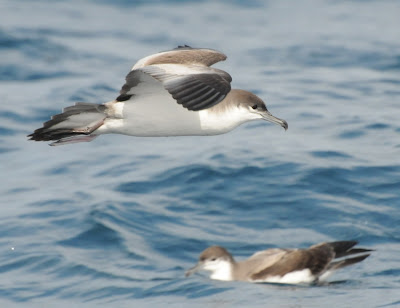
(277, 265)
(171, 93)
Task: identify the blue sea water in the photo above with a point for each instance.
(116, 222)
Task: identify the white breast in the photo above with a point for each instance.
(223, 271)
(214, 123)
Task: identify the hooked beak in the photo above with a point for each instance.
(193, 270)
(267, 116)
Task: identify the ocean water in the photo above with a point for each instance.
(117, 221)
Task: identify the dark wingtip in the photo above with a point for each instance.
(285, 125)
(360, 250)
(184, 46)
(351, 261)
(345, 248)
(36, 135)
(123, 97)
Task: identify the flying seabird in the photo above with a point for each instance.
(277, 265)
(171, 93)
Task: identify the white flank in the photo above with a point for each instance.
(303, 276)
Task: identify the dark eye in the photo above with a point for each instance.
(213, 259)
(254, 107)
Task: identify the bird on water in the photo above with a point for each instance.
(277, 265)
(171, 93)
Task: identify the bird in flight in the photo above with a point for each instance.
(171, 93)
(277, 265)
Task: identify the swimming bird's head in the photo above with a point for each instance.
(216, 260)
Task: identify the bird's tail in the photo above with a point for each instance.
(75, 124)
(346, 255)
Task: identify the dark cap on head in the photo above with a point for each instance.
(215, 252)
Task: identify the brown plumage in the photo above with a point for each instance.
(282, 265)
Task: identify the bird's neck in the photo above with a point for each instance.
(223, 272)
(221, 119)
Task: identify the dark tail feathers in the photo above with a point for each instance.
(75, 124)
(343, 250)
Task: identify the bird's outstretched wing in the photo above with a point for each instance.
(184, 73)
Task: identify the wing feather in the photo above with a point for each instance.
(315, 259)
(183, 55)
(194, 87)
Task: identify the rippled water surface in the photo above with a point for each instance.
(116, 222)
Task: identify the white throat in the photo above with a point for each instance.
(214, 121)
(222, 272)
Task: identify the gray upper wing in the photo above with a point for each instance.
(183, 55)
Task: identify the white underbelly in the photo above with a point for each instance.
(152, 115)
